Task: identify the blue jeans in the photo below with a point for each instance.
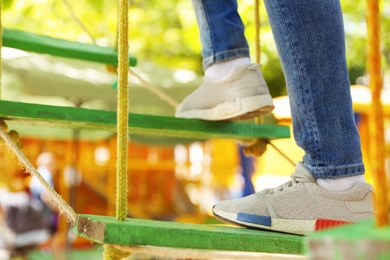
(309, 35)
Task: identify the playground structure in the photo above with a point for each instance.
(105, 230)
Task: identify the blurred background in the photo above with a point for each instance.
(169, 179)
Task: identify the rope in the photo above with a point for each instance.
(378, 149)
(60, 204)
(110, 252)
(281, 153)
(122, 112)
(257, 148)
(258, 119)
(12, 141)
(155, 90)
(1, 44)
(78, 21)
(257, 33)
(114, 253)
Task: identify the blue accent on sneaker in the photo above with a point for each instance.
(255, 219)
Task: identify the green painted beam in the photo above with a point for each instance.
(362, 240)
(140, 232)
(81, 118)
(57, 47)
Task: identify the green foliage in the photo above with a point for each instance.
(165, 32)
(6, 4)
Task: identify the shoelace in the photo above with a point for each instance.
(296, 178)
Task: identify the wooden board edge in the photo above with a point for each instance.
(90, 229)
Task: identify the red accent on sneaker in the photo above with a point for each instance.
(322, 224)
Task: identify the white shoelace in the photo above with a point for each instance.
(296, 178)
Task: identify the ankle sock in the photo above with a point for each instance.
(221, 69)
(341, 184)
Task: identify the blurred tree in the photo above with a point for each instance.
(165, 32)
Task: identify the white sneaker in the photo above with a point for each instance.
(242, 94)
(299, 206)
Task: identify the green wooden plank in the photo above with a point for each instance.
(57, 47)
(140, 232)
(362, 240)
(81, 118)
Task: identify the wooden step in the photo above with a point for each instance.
(63, 48)
(140, 232)
(81, 118)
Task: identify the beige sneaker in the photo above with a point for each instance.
(242, 94)
(299, 206)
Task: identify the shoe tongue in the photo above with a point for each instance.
(302, 174)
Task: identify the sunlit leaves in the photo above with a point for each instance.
(166, 33)
(7, 4)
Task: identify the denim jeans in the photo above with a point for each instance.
(221, 31)
(309, 36)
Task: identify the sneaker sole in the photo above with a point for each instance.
(297, 227)
(239, 109)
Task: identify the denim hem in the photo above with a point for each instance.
(224, 56)
(333, 172)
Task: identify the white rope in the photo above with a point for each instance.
(155, 90)
(59, 202)
(78, 21)
(163, 96)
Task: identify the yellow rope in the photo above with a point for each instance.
(122, 112)
(114, 253)
(378, 148)
(258, 119)
(258, 146)
(111, 253)
(1, 44)
(257, 33)
(59, 202)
